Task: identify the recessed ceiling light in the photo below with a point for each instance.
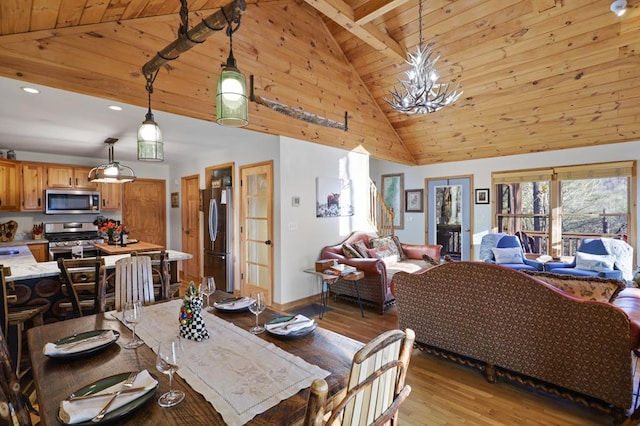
(619, 7)
(30, 90)
(115, 108)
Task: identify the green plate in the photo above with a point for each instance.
(120, 412)
(294, 334)
(82, 336)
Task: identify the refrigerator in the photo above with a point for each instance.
(218, 229)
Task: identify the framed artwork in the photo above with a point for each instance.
(414, 200)
(482, 196)
(333, 197)
(174, 199)
(392, 192)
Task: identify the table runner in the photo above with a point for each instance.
(240, 374)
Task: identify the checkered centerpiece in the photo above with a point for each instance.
(192, 324)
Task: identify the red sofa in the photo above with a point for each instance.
(375, 288)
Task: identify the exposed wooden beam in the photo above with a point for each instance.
(373, 9)
(345, 16)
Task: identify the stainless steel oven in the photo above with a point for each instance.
(72, 240)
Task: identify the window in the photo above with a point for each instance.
(592, 200)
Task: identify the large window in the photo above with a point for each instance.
(553, 209)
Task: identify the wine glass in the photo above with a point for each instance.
(133, 315)
(208, 288)
(257, 306)
(169, 356)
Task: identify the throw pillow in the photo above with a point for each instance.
(350, 252)
(360, 247)
(589, 288)
(385, 253)
(595, 262)
(507, 255)
(385, 242)
(401, 254)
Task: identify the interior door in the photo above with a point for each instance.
(256, 229)
(190, 213)
(144, 208)
(449, 215)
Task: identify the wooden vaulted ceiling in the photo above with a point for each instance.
(537, 75)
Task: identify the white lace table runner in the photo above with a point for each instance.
(240, 374)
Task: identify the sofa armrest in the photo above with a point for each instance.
(538, 265)
(416, 251)
(616, 274)
(369, 266)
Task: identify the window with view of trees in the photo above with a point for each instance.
(551, 210)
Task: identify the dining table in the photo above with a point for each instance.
(56, 379)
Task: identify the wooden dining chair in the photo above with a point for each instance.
(134, 281)
(15, 320)
(15, 405)
(161, 274)
(84, 284)
(376, 385)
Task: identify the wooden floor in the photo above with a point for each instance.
(446, 393)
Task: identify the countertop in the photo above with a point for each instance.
(15, 243)
(24, 266)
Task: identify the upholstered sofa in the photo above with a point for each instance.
(379, 265)
(513, 325)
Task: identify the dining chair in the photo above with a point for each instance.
(84, 284)
(10, 390)
(161, 274)
(376, 386)
(134, 281)
(15, 320)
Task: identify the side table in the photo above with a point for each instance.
(328, 279)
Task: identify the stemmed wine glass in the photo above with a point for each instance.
(208, 288)
(169, 356)
(133, 315)
(257, 306)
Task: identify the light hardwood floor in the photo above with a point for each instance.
(446, 393)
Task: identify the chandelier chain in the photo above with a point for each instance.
(420, 24)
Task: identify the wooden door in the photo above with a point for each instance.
(32, 187)
(81, 179)
(256, 230)
(111, 195)
(9, 186)
(190, 213)
(144, 210)
(59, 176)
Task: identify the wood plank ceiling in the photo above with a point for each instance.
(537, 75)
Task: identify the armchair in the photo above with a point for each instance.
(592, 259)
(508, 252)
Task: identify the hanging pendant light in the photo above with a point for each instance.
(421, 93)
(232, 108)
(113, 172)
(150, 142)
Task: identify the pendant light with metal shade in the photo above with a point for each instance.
(232, 107)
(150, 142)
(113, 172)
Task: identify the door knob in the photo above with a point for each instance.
(268, 242)
(186, 232)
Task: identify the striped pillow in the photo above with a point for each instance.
(350, 252)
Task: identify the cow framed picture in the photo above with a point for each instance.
(333, 197)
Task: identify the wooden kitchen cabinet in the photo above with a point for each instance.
(111, 195)
(9, 186)
(33, 181)
(69, 177)
(40, 251)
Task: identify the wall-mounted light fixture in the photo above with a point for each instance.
(112, 172)
(232, 108)
(619, 7)
(150, 142)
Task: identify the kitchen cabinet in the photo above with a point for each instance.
(111, 194)
(9, 186)
(33, 180)
(40, 251)
(69, 177)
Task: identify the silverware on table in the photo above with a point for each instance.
(127, 384)
(72, 397)
(70, 345)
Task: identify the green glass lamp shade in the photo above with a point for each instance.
(232, 107)
(150, 143)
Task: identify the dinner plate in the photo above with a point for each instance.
(81, 336)
(119, 412)
(233, 304)
(291, 335)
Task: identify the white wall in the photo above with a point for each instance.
(414, 230)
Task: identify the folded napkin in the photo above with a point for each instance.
(234, 303)
(79, 345)
(296, 323)
(85, 409)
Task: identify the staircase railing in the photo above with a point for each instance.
(380, 215)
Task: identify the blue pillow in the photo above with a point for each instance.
(507, 255)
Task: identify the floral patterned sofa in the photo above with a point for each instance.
(513, 325)
(379, 258)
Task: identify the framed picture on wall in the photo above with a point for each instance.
(482, 196)
(174, 200)
(392, 192)
(414, 200)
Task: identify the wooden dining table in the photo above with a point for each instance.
(56, 379)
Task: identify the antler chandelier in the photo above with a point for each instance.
(421, 93)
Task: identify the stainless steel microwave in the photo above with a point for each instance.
(64, 201)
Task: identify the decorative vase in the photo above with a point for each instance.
(192, 324)
(111, 241)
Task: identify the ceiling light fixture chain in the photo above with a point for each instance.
(421, 93)
(183, 30)
(150, 140)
